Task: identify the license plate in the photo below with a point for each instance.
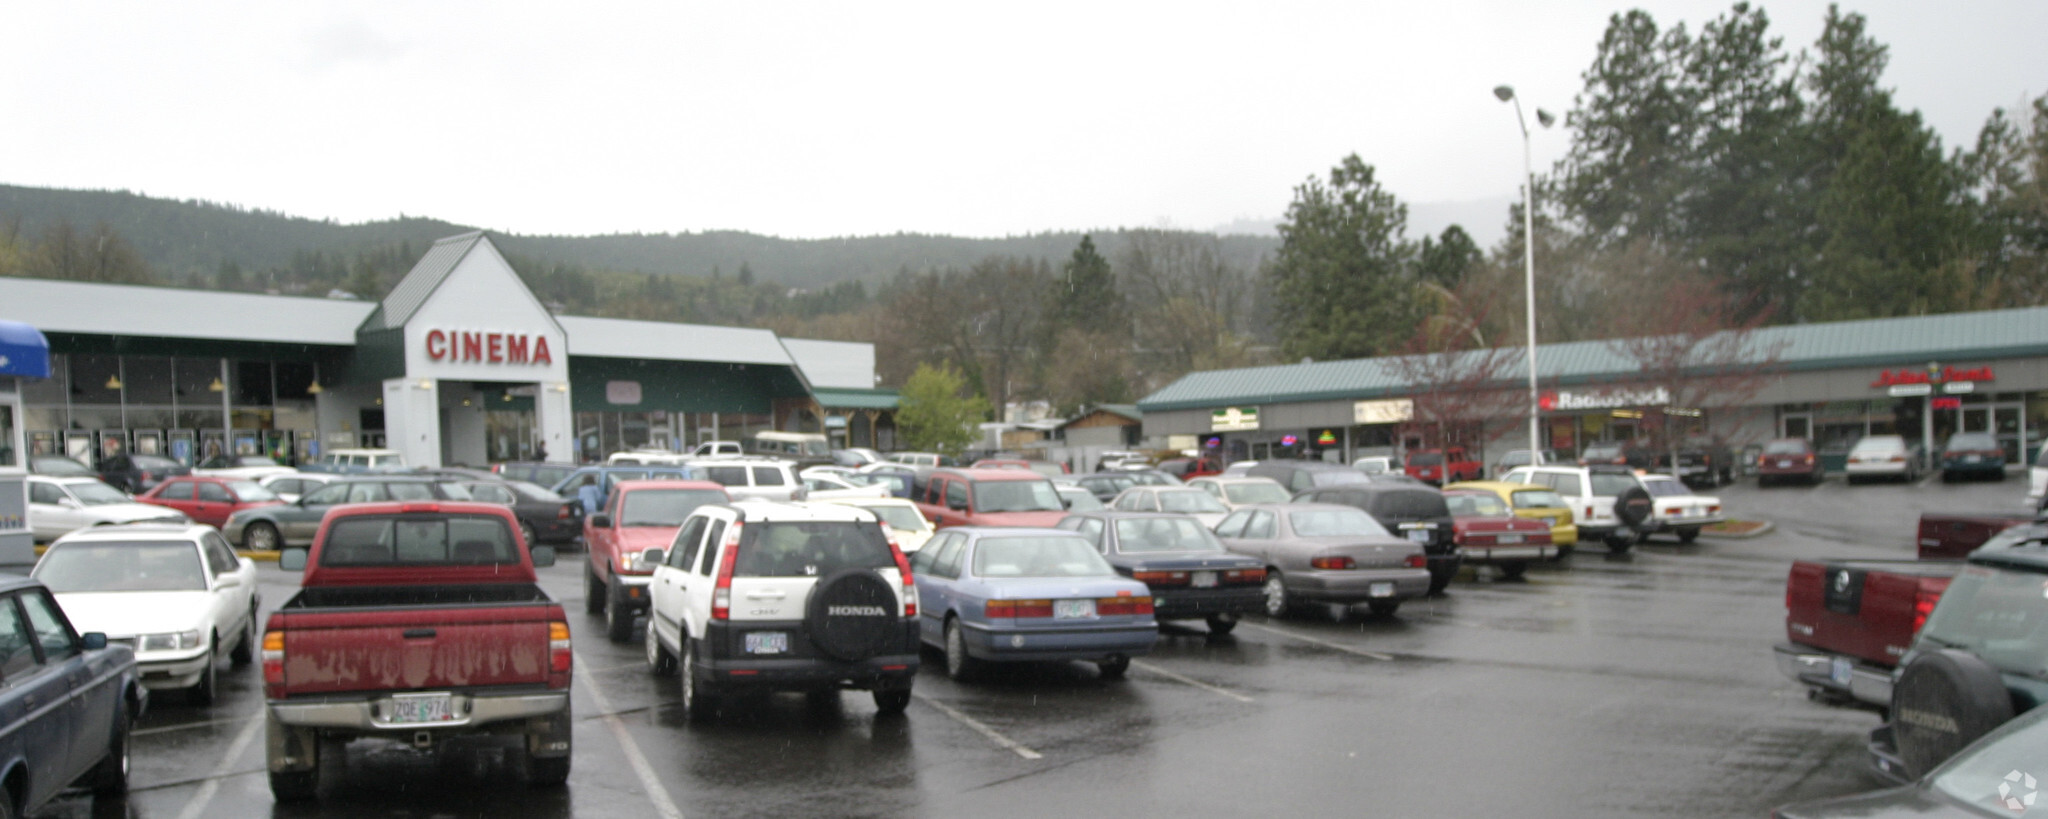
(419, 708)
(1073, 609)
(1839, 671)
(1419, 535)
(1380, 590)
(1784, 464)
(1204, 580)
(767, 642)
(1509, 539)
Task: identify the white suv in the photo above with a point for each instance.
(758, 596)
(1608, 501)
(751, 478)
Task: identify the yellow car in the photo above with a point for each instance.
(1533, 501)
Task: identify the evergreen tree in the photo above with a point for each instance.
(1085, 296)
(1342, 282)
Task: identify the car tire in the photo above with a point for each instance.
(593, 590)
(1513, 570)
(1688, 534)
(1958, 695)
(1620, 542)
(1278, 603)
(245, 648)
(618, 615)
(698, 703)
(207, 689)
(526, 532)
(295, 786)
(1115, 667)
(110, 776)
(960, 665)
(1221, 624)
(660, 662)
(1383, 608)
(891, 700)
(1440, 576)
(261, 537)
(545, 771)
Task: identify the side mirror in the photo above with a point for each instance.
(227, 581)
(543, 556)
(292, 560)
(68, 503)
(93, 640)
(651, 558)
(956, 505)
(601, 521)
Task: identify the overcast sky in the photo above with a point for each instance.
(831, 119)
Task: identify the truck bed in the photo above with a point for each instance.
(1954, 535)
(343, 639)
(1866, 609)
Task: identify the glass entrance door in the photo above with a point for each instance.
(1976, 419)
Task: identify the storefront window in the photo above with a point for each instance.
(8, 457)
(95, 379)
(48, 392)
(252, 384)
(147, 380)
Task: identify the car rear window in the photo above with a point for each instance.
(1337, 477)
(1537, 499)
(1137, 535)
(726, 475)
(1334, 523)
(1785, 448)
(1666, 489)
(1190, 502)
(1425, 459)
(446, 540)
(1409, 505)
(1260, 492)
(1603, 451)
(1972, 440)
(1039, 556)
(1016, 496)
(1609, 483)
(811, 548)
(1463, 505)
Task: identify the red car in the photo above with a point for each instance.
(987, 497)
(1787, 459)
(1442, 466)
(209, 500)
(1489, 532)
(640, 515)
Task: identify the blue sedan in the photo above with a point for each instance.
(989, 594)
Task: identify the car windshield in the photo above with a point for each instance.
(1190, 502)
(1785, 448)
(1039, 556)
(1977, 774)
(1079, 500)
(1334, 523)
(1538, 499)
(1665, 488)
(1016, 496)
(1463, 505)
(59, 465)
(94, 493)
(534, 492)
(251, 492)
(1998, 615)
(1137, 535)
(1117, 483)
(154, 463)
(811, 548)
(664, 507)
(900, 517)
(440, 539)
(1257, 492)
(121, 567)
(817, 449)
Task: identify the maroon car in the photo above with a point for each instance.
(1789, 459)
(1488, 532)
(209, 500)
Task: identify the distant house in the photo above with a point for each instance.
(1112, 426)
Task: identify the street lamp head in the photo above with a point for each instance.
(1545, 118)
(1504, 92)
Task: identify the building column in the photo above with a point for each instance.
(555, 421)
(412, 420)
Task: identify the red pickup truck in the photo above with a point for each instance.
(1442, 466)
(640, 515)
(422, 623)
(1847, 622)
(1954, 535)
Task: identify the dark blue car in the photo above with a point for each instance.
(67, 701)
(1189, 572)
(1013, 594)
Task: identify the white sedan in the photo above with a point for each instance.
(1676, 510)
(245, 467)
(177, 594)
(58, 506)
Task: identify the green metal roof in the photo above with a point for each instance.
(1889, 342)
(842, 398)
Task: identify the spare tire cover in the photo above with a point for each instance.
(853, 615)
(1633, 507)
(1943, 701)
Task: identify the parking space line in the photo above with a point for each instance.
(1190, 681)
(979, 727)
(187, 726)
(1318, 641)
(196, 806)
(649, 782)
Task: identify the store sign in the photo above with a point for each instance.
(480, 347)
(622, 392)
(1933, 374)
(1564, 400)
(1234, 419)
(1383, 412)
(1326, 438)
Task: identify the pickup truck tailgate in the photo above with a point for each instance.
(1868, 609)
(384, 649)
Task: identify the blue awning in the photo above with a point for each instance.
(23, 351)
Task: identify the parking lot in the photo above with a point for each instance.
(1606, 686)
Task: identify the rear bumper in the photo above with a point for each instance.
(1024, 645)
(1674, 524)
(1357, 586)
(1884, 756)
(719, 669)
(468, 711)
(1171, 603)
(1839, 674)
(1497, 554)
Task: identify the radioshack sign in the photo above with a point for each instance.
(487, 347)
(1565, 400)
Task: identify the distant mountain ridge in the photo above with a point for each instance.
(188, 240)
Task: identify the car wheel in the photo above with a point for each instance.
(1277, 603)
(110, 776)
(1440, 576)
(295, 786)
(1513, 570)
(526, 532)
(698, 704)
(1114, 667)
(1383, 608)
(618, 615)
(959, 665)
(1688, 534)
(1221, 624)
(207, 689)
(593, 590)
(261, 537)
(245, 649)
(892, 701)
(1619, 542)
(660, 663)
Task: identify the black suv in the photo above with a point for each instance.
(1301, 476)
(136, 474)
(1414, 511)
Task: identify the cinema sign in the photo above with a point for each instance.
(488, 347)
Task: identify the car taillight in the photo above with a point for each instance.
(1161, 578)
(1108, 606)
(567, 511)
(1714, 510)
(1417, 562)
(721, 594)
(1897, 458)
(560, 658)
(1332, 563)
(903, 568)
(1674, 511)
(146, 477)
(1243, 576)
(1018, 608)
(1923, 605)
(273, 659)
(1807, 458)
(419, 507)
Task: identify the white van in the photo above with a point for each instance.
(804, 446)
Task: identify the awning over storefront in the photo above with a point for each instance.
(23, 351)
(855, 399)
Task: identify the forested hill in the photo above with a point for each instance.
(187, 240)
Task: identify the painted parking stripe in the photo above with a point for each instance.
(1190, 681)
(979, 728)
(1318, 641)
(664, 805)
(196, 806)
(187, 726)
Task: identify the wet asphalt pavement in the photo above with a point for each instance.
(1635, 686)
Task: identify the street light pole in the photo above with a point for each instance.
(1507, 94)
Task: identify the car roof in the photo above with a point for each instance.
(1235, 479)
(136, 531)
(771, 511)
(989, 474)
(888, 501)
(997, 531)
(1497, 486)
(664, 483)
(1119, 514)
(11, 582)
